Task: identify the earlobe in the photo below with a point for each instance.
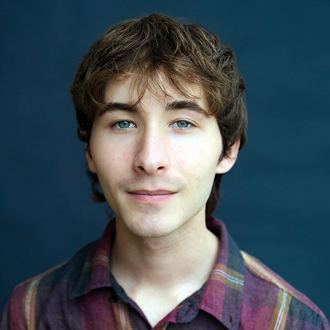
(89, 159)
(228, 161)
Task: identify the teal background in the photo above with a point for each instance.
(275, 200)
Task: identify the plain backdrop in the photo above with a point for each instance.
(275, 201)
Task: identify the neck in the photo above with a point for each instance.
(179, 261)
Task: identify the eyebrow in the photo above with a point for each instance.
(175, 105)
(189, 105)
(113, 106)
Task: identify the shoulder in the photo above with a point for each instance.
(28, 297)
(270, 298)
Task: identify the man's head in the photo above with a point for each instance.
(183, 55)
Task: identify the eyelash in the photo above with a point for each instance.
(185, 121)
(121, 121)
(189, 124)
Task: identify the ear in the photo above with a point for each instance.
(228, 161)
(89, 159)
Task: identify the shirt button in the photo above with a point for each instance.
(113, 299)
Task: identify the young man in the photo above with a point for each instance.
(161, 109)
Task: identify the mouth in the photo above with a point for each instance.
(151, 196)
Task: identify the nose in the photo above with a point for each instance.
(151, 156)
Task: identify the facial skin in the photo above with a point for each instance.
(156, 161)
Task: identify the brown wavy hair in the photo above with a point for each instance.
(186, 54)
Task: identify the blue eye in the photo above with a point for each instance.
(182, 124)
(123, 124)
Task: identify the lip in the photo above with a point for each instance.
(151, 196)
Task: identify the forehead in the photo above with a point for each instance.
(133, 88)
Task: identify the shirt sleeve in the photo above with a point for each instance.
(12, 316)
(325, 325)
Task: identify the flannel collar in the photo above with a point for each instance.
(222, 295)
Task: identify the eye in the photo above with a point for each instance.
(182, 124)
(123, 124)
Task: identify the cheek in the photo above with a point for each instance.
(110, 159)
(197, 162)
(121, 156)
(195, 154)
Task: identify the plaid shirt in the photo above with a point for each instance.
(241, 293)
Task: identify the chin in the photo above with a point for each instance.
(149, 226)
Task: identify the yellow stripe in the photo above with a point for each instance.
(29, 299)
(280, 313)
(30, 302)
(263, 272)
(122, 315)
(284, 296)
(117, 316)
(163, 327)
